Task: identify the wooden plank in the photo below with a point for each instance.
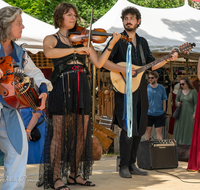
(109, 133)
(105, 141)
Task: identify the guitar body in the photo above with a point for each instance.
(119, 83)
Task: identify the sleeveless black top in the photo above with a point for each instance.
(60, 64)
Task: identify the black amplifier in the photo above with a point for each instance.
(165, 142)
(157, 154)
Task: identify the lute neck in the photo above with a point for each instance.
(144, 68)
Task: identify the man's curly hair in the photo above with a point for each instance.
(131, 10)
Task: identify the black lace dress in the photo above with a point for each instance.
(68, 143)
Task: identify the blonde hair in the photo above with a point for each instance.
(7, 16)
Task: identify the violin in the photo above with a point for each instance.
(98, 35)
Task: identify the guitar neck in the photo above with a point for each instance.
(144, 68)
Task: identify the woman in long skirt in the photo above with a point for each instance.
(68, 145)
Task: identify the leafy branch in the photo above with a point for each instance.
(43, 9)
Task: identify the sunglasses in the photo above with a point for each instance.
(151, 77)
(182, 84)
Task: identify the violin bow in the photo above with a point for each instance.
(89, 38)
(94, 69)
(90, 31)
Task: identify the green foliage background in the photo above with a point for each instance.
(43, 9)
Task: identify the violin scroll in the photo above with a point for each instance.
(129, 39)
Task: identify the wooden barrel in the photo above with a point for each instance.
(97, 148)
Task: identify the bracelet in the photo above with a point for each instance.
(74, 50)
(166, 60)
(28, 130)
(109, 49)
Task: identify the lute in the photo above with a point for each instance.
(119, 79)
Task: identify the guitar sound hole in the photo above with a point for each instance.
(135, 75)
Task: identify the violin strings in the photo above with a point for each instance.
(101, 33)
(27, 97)
(31, 102)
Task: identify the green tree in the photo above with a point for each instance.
(43, 9)
(40, 9)
(159, 3)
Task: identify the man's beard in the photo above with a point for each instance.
(131, 29)
(153, 82)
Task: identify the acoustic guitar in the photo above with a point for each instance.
(119, 79)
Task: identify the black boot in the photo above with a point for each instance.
(124, 172)
(136, 171)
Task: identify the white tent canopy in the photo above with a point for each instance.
(33, 33)
(164, 29)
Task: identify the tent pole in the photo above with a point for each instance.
(93, 93)
(172, 71)
(186, 65)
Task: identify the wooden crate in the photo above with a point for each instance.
(104, 135)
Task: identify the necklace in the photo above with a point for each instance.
(186, 91)
(64, 38)
(63, 35)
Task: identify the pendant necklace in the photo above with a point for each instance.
(68, 42)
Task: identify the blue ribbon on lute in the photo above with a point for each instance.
(128, 106)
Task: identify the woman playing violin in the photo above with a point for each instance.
(69, 104)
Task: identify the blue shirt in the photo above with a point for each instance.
(35, 149)
(155, 98)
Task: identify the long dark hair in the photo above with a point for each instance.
(187, 81)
